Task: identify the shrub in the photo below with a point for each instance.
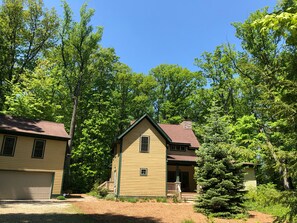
(175, 199)
(61, 198)
(188, 221)
(161, 199)
(266, 198)
(102, 192)
(110, 197)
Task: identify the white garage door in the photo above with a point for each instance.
(21, 185)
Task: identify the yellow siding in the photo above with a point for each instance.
(53, 161)
(250, 178)
(132, 184)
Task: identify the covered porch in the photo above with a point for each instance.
(180, 175)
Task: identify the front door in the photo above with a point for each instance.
(183, 177)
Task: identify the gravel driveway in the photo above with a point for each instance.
(40, 212)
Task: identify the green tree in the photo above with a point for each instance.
(175, 87)
(27, 29)
(39, 94)
(219, 176)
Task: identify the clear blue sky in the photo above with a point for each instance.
(146, 33)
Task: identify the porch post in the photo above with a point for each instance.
(177, 171)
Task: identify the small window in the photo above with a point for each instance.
(181, 148)
(143, 171)
(144, 144)
(8, 146)
(38, 148)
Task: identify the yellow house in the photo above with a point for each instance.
(156, 160)
(31, 158)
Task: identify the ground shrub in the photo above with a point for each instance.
(161, 199)
(267, 199)
(188, 221)
(61, 198)
(110, 197)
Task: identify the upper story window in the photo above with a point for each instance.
(144, 144)
(38, 148)
(8, 146)
(181, 148)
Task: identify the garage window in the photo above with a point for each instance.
(8, 146)
(38, 148)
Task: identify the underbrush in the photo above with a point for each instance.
(267, 199)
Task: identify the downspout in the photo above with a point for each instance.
(120, 168)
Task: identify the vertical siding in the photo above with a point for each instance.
(53, 160)
(132, 184)
(250, 178)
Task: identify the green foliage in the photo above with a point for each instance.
(61, 198)
(175, 87)
(218, 175)
(188, 221)
(110, 197)
(161, 199)
(266, 198)
(128, 199)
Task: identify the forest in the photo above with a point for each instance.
(54, 68)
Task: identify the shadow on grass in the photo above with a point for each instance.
(73, 218)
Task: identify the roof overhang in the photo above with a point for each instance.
(157, 127)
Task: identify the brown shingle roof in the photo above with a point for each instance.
(178, 134)
(32, 127)
(182, 158)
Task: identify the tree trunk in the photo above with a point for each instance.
(72, 124)
(67, 174)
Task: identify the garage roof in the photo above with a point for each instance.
(29, 127)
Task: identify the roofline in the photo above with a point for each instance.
(12, 132)
(151, 121)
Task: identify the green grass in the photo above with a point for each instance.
(188, 221)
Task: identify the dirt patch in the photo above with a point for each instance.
(40, 212)
(152, 212)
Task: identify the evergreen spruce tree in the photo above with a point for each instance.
(219, 177)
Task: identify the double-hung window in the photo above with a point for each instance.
(144, 144)
(8, 146)
(38, 148)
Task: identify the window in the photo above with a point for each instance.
(8, 146)
(181, 148)
(144, 144)
(38, 148)
(143, 171)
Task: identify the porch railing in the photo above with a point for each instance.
(109, 185)
(174, 188)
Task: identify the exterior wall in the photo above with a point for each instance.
(185, 153)
(53, 160)
(115, 163)
(131, 183)
(190, 170)
(250, 178)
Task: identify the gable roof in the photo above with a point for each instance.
(146, 116)
(29, 127)
(179, 134)
(172, 133)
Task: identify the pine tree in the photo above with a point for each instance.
(219, 177)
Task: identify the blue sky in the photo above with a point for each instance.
(152, 32)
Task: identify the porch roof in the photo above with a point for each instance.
(181, 158)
